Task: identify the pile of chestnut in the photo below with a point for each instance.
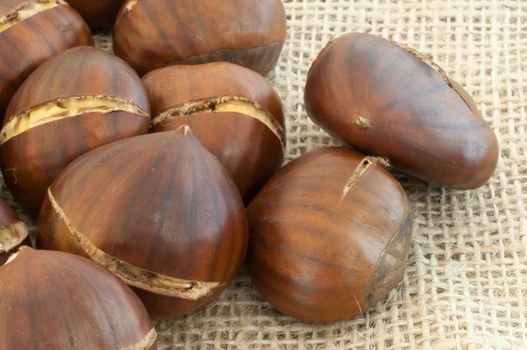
(140, 165)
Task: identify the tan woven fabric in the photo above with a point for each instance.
(466, 284)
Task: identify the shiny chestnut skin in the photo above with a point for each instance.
(97, 98)
(233, 111)
(330, 236)
(28, 41)
(13, 232)
(385, 100)
(159, 211)
(55, 300)
(98, 14)
(150, 34)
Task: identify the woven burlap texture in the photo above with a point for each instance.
(465, 285)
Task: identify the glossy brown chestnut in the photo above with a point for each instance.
(233, 111)
(159, 211)
(13, 232)
(81, 99)
(387, 100)
(150, 34)
(330, 235)
(32, 32)
(98, 14)
(55, 300)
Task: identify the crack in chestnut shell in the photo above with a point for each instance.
(159, 202)
(389, 101)
(133, 275)
(49, 32)
(13, 232)
(250, 148)
(155, 33)
(99, 14)
(330, 236)
(32, 159)
(55, 300)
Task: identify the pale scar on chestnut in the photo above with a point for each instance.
(27, 10)
(66, 108)
(388, 269)
(233, 104)
(359, 172)
(133, 275)
(12, 236)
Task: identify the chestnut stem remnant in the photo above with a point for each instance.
(66, 108)
(362, 122)
(25, 11)
(145, 344)
(133, 275)
(235, 104)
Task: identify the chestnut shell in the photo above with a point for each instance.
(249, 149)
(32, 159)
(158, 202)
(150, 34)
(330, 236)
(28, 43)
(55, 300)
(385, 100)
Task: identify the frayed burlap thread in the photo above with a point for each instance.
(465, 286)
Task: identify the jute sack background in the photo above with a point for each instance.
(465, 286)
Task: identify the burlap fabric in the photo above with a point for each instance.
(465, 286)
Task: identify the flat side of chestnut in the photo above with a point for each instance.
(256, 33)
(364, 89)
(327, 243)
(50, 31)
(102, 305)
(171, 195)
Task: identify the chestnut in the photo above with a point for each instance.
(159, 211)
(330, 235)
(98, 14)
(80, 99)
(387, 100)
(232, 110)
(13, 232)
(150, 34)
(32, 32)
(55, 300)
